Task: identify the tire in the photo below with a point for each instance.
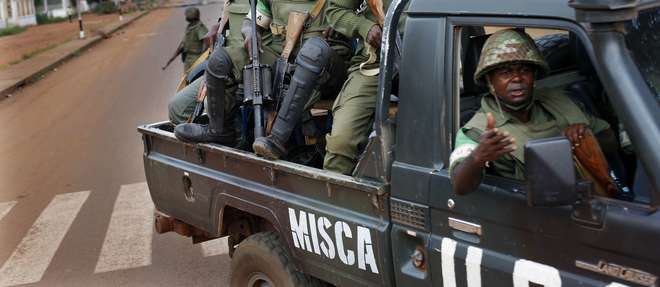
(261, 260)
(556, 50)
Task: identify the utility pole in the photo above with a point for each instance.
(80, 23)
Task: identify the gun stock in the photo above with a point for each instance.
(591, 158)
(376, 7)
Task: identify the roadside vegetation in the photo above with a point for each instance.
(44, 19)
(11, 30)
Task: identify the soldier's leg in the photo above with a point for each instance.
(353, 114)
(217, 72)
(181, 106)
(312, 58)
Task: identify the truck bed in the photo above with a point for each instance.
(195, 183)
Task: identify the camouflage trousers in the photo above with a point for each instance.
(353, 116)
(181, 106)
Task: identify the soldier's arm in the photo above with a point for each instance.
(469, 159)
(246, 28)
(465, 172)
(343, 19)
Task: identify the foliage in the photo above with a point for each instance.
(105, 7)
(44, 19)
(11, 30)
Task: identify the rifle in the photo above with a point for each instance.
(376, 8)
(254, 75)
(199, 101)
(178, 51)
(295, 26)
(592, 164)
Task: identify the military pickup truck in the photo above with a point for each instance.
(396, 221)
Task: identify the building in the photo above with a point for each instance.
(17, 12)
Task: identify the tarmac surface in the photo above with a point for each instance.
(74, 207)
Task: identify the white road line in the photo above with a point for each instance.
(33, 255)
(214, 247)
(128, 240)
(5, 207)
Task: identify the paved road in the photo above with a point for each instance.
(74, 208)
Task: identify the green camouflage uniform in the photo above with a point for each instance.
(550, 110)
(183, 103)
(272, 42)
(353, 110)
(192, 43)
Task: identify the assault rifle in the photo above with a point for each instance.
(254, 75)
(177, 52)
(376, 8)
(294, 28)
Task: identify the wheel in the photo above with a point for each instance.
(262, 261)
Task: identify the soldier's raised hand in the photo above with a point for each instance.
(493, 143)
(247, 43)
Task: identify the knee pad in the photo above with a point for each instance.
(219, 64)
(314, 55)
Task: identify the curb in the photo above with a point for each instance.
(33, 77)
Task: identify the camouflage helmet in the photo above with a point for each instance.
(192, 14)
(508, 46)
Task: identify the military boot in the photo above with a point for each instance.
(218, 130)
(312, 58)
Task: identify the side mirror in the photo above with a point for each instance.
(551, 179)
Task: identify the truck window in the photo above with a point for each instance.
(643, 40)
(570, 74)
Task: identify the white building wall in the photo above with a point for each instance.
(17, 12)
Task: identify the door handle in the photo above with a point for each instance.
(464, 226)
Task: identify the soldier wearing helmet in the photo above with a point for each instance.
(192, 45)
(514, 112)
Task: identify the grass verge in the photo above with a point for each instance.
(11, 30)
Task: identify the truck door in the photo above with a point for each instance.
(491, 237)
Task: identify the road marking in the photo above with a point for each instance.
(5, 207)
(33, 255)
(128, 240)
(214, 247)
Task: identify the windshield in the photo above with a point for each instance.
(643, 40)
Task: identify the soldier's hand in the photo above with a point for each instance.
(374, 36)
(247, 43)
(493, 143)
(575, 133)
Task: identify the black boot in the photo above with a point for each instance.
(312, 58)
(218, 130)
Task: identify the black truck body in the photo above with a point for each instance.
(396, 222)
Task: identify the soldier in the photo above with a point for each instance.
(314, 57)
(181, 106)
(514, 112)
(353, 110)
(192, 45)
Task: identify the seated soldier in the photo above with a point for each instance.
(514, 112)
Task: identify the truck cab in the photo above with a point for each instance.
(397, 221)
(498, 235)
